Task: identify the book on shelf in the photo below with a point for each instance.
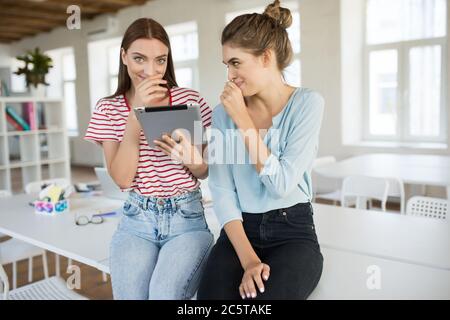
(40, 116)
(29, 114)
(13, 123)
(13, 114)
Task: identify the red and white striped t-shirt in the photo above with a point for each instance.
(157, 175)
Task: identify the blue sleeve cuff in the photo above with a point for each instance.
(270, 166)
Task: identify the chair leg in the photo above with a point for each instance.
(14, 275)
(57, 266)
(45, 264)
(105, 277)
(30, 269)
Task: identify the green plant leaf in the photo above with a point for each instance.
(37, 65)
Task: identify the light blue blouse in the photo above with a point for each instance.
(285, 178)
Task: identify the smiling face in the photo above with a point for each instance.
(144, 58)
(249, 72)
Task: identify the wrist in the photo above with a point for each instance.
(244, 122)
(250, 260)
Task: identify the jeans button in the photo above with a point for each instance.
(160, 202)
(283, 213)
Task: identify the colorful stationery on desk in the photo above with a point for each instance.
(53, 199)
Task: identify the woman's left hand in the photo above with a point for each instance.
(181, 151)
(253, 278)
(233, 101)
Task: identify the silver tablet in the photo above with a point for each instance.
(156, 121)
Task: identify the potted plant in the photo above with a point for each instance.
(36, 67)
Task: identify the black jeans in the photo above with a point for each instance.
(285, 239)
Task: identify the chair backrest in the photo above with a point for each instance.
(5, 193)
(428, 207)
(323, 161)
(363, 188)
(397, 189)
(320, 183)
(4, 284)
(36, 186)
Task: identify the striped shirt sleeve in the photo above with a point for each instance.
(205, 112)
(101, 127)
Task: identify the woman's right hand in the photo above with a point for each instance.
(254, 273)
(150, 91)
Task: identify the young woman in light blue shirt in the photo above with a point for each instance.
(268, 247)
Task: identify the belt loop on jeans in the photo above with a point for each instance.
(173, 204)
(145, 203)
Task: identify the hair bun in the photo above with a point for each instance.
(281, 15)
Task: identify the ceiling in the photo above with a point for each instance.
(25, 18)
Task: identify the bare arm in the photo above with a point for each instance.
(254, 269)
(200, 169)
(236, 234)
(122, 157)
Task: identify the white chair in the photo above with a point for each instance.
(14, 250)
(361, 188)
(53, 288)
(325, 188)
(428, 207)
(4, 194)
(397, 190)
(36, 187)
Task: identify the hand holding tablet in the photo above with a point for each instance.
(156, 121)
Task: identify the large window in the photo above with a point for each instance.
(292, 74)
(405, 54)
(103, 57)
(184, 43)
(113, 51)
(61, 79)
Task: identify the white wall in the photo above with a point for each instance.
(324, 63)
(5, 55)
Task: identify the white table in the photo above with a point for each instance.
(418, 240)
(349, 275)
(87, 244)
(432, 170)
(405, 249)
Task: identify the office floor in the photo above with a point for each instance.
(92, 285)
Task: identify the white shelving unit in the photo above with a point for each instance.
(37, 154)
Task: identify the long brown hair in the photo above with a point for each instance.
(144, 28)
(259, 32)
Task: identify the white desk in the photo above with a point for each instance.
(432, 170)
(351, 240)
(345, 276)
(88, 244)
(418, 240)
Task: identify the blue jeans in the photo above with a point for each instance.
(160, 247)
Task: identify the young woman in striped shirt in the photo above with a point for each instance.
(162, 242)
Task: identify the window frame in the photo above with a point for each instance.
(61, 53)
(403, 108)
(189, 63)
